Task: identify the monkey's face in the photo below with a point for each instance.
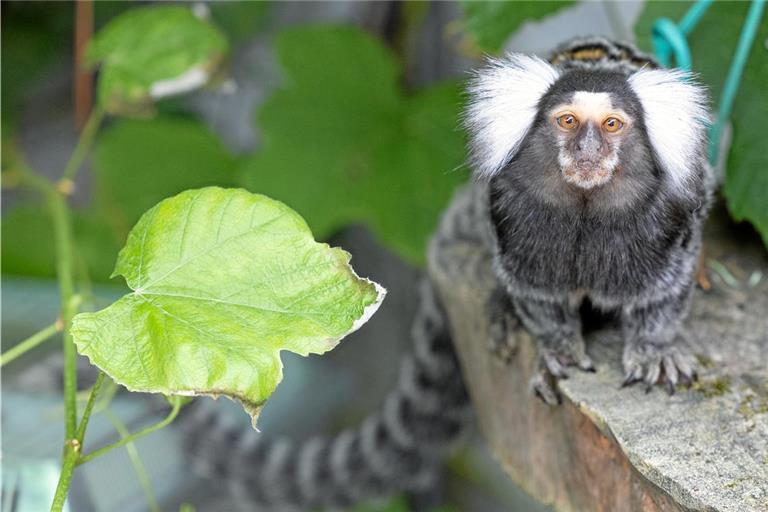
(589, 131)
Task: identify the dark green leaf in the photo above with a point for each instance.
(492, 22)
(28, 249)
(343, 143)
(713, 43)
(223, 281)
(138, 163)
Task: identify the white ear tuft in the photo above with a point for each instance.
(503, 100)
(676, 118)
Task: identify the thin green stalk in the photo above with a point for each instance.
(84, 144)
(89, 408)
(73, 448)
(62, 233)
(29, 343)
(157, 426)
(71, 455)
(138, 466)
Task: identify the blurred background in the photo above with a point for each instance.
(347, 112)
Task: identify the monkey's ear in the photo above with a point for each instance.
(503, 101)
(676, 117)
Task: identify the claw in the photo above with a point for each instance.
(587, 365)
(542, 388)
(555, 368)
(670, 388)
(629, 379)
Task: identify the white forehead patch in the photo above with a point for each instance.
(676, 116)
(593, 105)
(503, 102)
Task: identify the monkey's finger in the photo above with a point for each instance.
(632, 375)
(686, 364)
(585, 363)
(670, 370)
(553, 366)
(541, 386)
(653, 372)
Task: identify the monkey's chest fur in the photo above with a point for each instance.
(614, 258)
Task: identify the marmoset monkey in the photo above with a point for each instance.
(598, 184)
(593, 185)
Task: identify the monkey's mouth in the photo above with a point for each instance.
(587, 174)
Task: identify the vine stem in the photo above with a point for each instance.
(130, 438)
(84, 144)
(73, 448)
(29, 343)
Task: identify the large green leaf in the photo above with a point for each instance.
(343, 143)
(138, 163)
(223, 281)
(153, 52)
(492, 22)
(713, 43)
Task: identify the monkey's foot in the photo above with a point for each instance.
(657, 364)
(553, 361)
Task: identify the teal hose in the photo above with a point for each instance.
(733, 80)
(669, 40)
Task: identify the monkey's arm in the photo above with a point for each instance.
(557, 327)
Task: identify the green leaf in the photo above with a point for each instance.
(713, 43)
(343, 143)
(153, 52)
(140, 162)
(28, 248)
(492, 22)
(223, 281)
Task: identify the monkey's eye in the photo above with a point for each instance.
(612, 124)
(567, 121)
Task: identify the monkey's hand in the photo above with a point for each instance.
(554, 356)
(649, 362)
(557, 328)
(653, 349)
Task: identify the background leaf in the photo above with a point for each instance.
(28, 248)
(138, 163)
(360, 148)
(144, 47)
(492, 22)
(713, 43)
(223, 281)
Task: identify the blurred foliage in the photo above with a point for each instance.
(713, 43)
(239, 19)
(343, 142)
(492, 22)
(138, 163)
(27, 247)
(35, 35)
(147, 47)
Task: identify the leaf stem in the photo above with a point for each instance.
(168, 419)
(89, 408)
(29, 343)
(62, 232)
(138, 465)
(71, 454)
(84, 144)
